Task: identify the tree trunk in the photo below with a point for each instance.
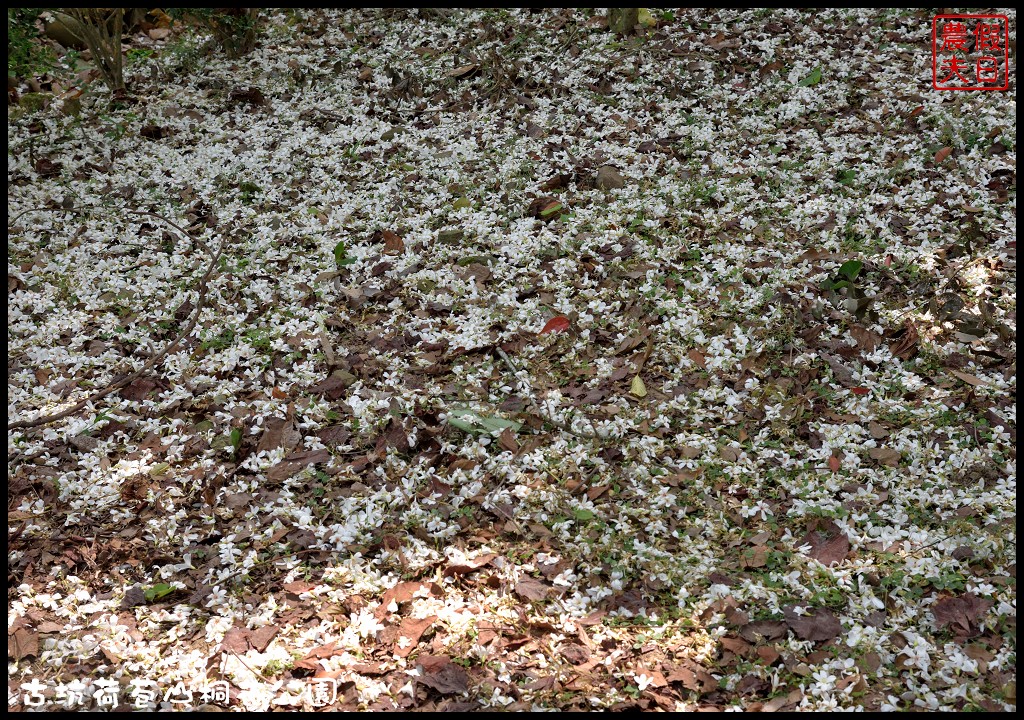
(101, 33)
(623, 20)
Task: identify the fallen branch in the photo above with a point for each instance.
(591, 434)
(149, 364)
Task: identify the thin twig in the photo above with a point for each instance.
(172, 345)
(646, 355)
(86, 211)
(588, 434)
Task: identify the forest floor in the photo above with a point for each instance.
(491, 360)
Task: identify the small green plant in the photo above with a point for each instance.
(137, 56)
(259, 338)
(236, 440)
(237, 30)
(158, 591)
(846, 177)
(25, 54)
(844, 277)
(813, 78)
(341, 258)
(224, 340)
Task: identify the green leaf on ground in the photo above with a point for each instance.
(813, 79)
(474, 422)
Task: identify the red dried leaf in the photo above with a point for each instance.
(557, 324)
(698, 358)
(470, 565)
(412, 629)
(311, 661)
(834, 464)
(692, 677)
(236, 640)
(404, 592)
(942, 154)
(860, 391)
(259, 639)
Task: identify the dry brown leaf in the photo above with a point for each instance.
(689, 452)
(22, 643)
(597, 491)
(279, 433)
(260, 638)
(295, 462)
(463, 71)
(657, 678)
(756, 557)
(139, 388)
(698, 358)
(720, 42)
(968, 378)
(904, 343)
(404, 592)
(886, 456)
(393, 244)
(574, 654)
(878, 432)
(470, 565)
(867, 340)
(441, 674)
(842, 374)
(532, 589)
(312, 658)
(817, 625)
(412, 630)
(692, 677)
(961, 614)
(761, 631)
(737, 646)
(507, 440)
(631, 342)
(236, 640)
(827, 541)
(729, 453)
